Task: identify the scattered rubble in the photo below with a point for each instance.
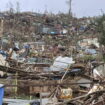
(40, 53)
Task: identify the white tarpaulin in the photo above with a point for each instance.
(3, 62)
(61, 63)
(99, 71)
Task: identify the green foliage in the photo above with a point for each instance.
(87, 57)
(100, 22)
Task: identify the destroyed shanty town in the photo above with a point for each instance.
(49, 58)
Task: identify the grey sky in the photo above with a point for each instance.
(79, 7)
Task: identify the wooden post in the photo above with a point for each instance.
(40, 98)
(16, 83)
(30, 92)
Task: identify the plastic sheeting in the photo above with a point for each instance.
(3, 62)
(95, 88)
(99, 72)
(61, 63)
(91, 51)
(1, 93)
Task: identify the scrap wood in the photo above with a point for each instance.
(37, 64)
(58, 87)
(102, 102)
(87, 77)
(41, 83)
(86, 95)
(87, 102)
(14, 70)
(10, 69)
(79, 65)
(83, 91)
(81, 102)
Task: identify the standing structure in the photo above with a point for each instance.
(69, 3)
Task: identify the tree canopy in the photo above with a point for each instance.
(101, 29)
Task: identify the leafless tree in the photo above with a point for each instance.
(69, 3)
(10, 7)
(17, 7)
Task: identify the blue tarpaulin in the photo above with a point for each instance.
(1, 93)
(91, 51)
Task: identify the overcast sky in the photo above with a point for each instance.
(79, 7)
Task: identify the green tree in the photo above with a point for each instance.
(100, 23)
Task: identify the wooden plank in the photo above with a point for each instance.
(11, 70)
